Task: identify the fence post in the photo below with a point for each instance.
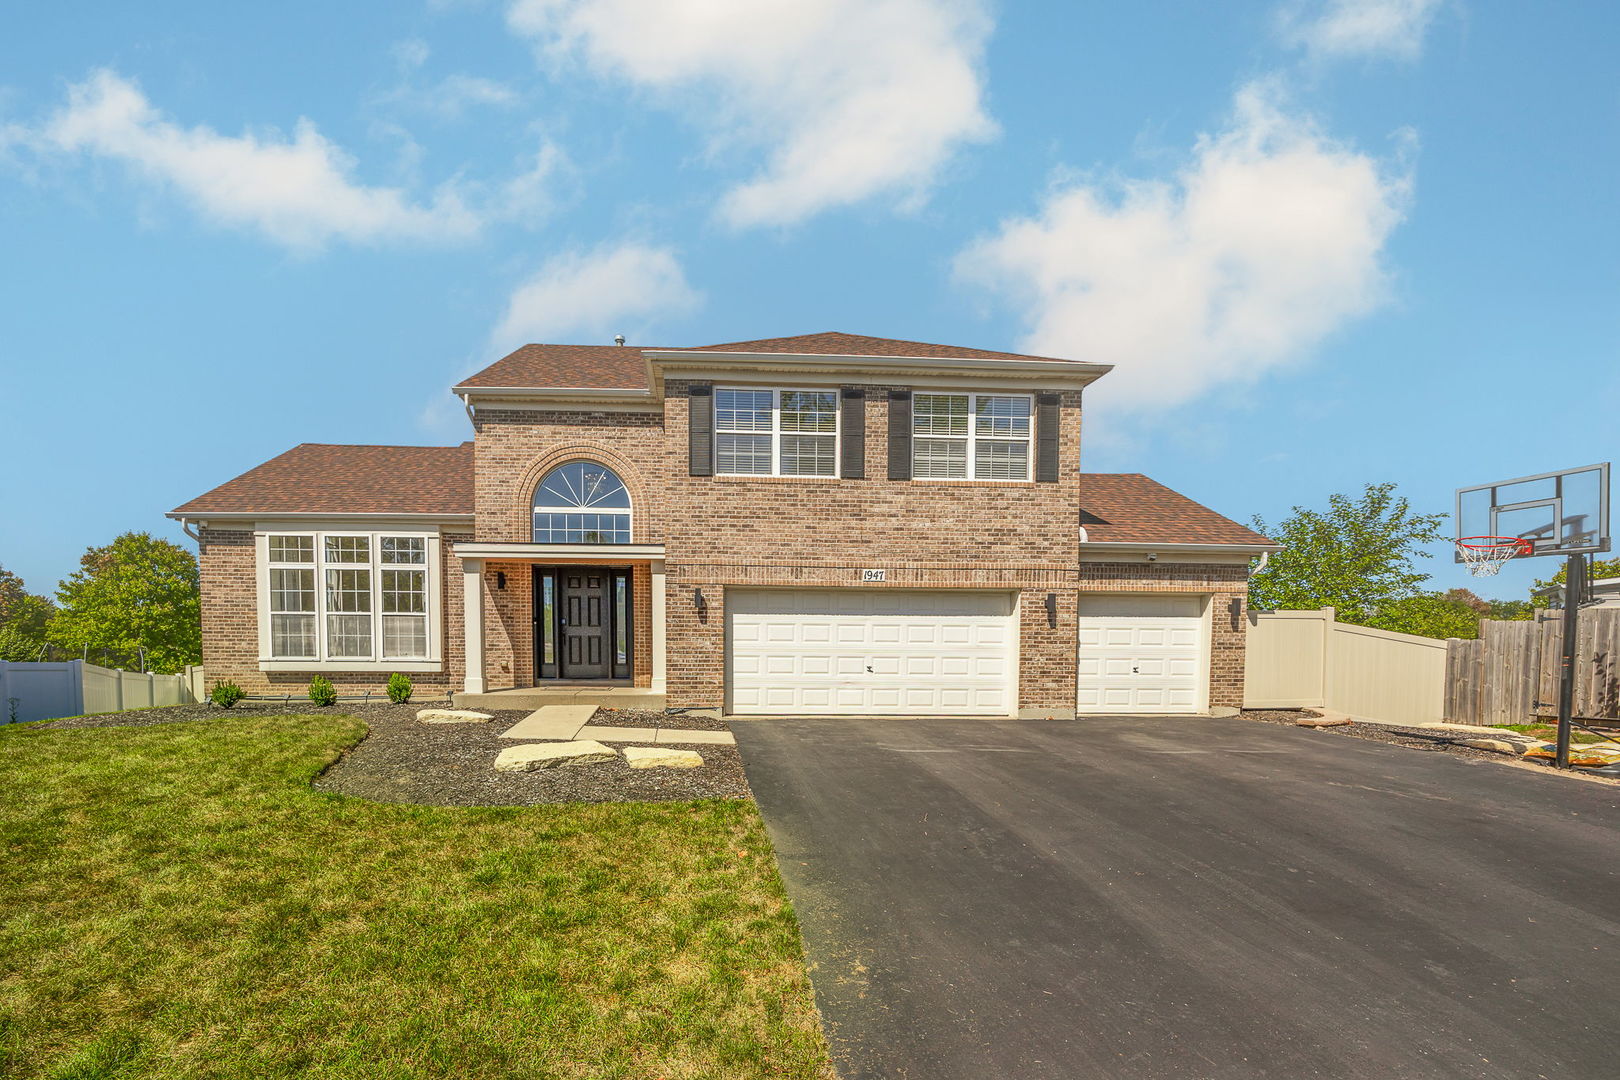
(76, 682)
(5, 694)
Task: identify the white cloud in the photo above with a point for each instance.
(591, 295)
(1267, 241)
(297, 191)
(848, 98)
(1364, 28)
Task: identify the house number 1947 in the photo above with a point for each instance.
(874, 575)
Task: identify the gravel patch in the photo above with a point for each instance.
(1433, 740)
(453, 765)
(670, 721)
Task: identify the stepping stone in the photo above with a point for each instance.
(534, 756)
(661, 757)
(453, 716)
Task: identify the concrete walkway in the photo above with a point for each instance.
(566, 723)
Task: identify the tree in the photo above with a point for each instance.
(1596, 570)
(1432, 614)
(136, 593)
(1512, 610)
(23, 618)
(1355, 557)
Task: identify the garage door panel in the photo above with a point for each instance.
(1141, 653)
(871, 651)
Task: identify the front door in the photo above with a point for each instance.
(584, 625)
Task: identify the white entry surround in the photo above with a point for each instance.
(871, 652)
(1144, 653)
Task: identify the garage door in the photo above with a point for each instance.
(1142, 654)
(870, 652)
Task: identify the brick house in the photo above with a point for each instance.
(816, 524)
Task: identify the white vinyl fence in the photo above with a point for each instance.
(76, 688)
(1307, 659)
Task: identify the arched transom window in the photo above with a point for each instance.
(581, 503)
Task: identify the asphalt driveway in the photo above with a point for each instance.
(1151, 897)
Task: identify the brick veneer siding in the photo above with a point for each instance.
(1228, 587)
(741, 531)
(230, 630)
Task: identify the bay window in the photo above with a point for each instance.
(337, 599)
(970, 436)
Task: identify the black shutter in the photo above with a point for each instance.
(1046, 438)
(700, 428)
(852, 434)
(899, 434)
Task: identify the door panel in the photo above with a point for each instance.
(585, 625)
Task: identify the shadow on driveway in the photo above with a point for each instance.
(1190, 897)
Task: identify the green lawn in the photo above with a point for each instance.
(176, 902)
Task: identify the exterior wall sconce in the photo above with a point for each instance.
(500, 580)
(1051, 610)
(699, 602)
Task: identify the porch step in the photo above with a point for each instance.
(536, 697)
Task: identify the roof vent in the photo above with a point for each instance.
(618, 339)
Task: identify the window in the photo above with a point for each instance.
(776, 432)
(371, 603)
(970, 436)
(581, 503)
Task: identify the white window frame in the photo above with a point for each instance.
(973, 438)
(776, 432)
(433, 661)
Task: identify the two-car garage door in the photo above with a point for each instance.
(871, 652)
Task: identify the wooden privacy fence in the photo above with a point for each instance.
(76, 688)
(1510, 674)
(1307, 659)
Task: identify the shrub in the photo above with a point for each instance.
(321, 691)
(399, 688)
(226, 694)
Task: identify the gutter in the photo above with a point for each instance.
(1130, 546)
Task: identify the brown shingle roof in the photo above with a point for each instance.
(594, 367)
(622, 367)
(1130, 508)
(834, 343)
(323, 478)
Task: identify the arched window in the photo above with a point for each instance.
(581, 503)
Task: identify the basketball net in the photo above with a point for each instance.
(1485, 555)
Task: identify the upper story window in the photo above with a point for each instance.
(581, 503)
(970, 436)
(339, 597)
(776, 432)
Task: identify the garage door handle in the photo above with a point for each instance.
(868, 669)
(1134, 671)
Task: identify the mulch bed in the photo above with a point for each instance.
(672, 721)
(403, 760)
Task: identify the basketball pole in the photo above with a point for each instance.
(1574, 594)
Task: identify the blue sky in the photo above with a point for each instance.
(1325, 243)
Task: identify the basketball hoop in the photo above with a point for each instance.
(1485, 555)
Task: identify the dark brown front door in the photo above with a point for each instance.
(585, 623)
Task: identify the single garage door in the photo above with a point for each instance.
(871, 652)
(1142, 654)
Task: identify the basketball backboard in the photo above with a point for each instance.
(1560, 513)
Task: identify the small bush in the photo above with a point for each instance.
(226, 694)
(399, 688)
(321, 691)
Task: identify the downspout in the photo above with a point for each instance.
(472, 413)
(185, 527)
